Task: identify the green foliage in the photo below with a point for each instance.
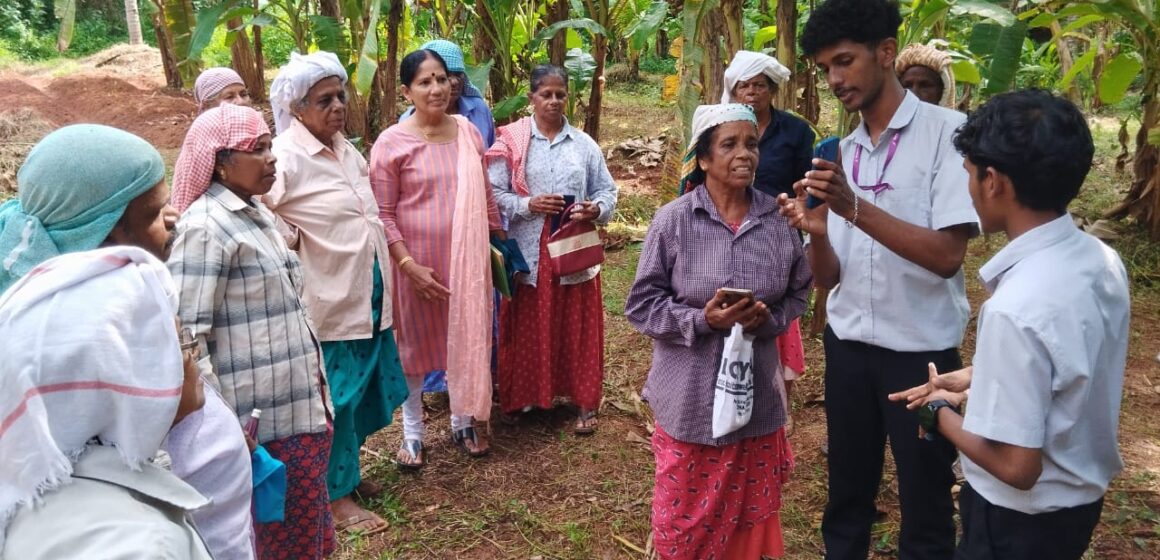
(656, 65)
(25, 36)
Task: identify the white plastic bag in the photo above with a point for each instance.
(733, 396)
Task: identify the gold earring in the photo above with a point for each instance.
(222, 173)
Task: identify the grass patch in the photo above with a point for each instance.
(616, 277)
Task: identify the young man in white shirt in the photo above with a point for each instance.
(1039, 437)
(889, 239)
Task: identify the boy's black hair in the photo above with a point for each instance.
(863, 21)
(1042, 142)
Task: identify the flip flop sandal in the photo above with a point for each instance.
(459, 438)
(413, 448)
(348, 524)
(367, 490)
(586, 423)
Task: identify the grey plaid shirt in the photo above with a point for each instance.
(240, 294)
(689, 253)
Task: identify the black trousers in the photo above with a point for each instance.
(992, 532)
(859, 419)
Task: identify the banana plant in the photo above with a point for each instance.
(1139, 19)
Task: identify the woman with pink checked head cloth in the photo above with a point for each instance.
(240, 288)
(217, 86)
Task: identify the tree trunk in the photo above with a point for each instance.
(244, 62)
(713, 64)
(389, 69)
(1063, 51)
(558, 46)
(592, 115)
(133, 22)
(818, 318)
(259, 62)
(1143, 199)
(733, 13)
(165, 46)
(787, 51)
(329, 8)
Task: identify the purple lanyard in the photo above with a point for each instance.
(879, 186)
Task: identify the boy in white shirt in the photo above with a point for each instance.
(1039, 436)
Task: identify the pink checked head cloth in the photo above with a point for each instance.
(211, 82)
(90, 351)
(227, 127)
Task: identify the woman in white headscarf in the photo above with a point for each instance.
(328, 214)
(785, 151)
(93, 377)
(717, 495)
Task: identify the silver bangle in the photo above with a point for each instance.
(853, 221)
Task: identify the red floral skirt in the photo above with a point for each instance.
(551, 342)
(308, 530)
(713, 503)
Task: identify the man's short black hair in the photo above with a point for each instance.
(1040, 141)
(863, 21)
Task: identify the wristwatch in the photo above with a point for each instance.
(928, 418)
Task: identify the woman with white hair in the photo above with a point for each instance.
(786, 150)
(329, 216)
(92, 380)
(717, 497)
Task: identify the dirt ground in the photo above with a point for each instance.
(544, 492)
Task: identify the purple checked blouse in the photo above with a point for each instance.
(690, 252)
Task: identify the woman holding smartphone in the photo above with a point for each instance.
(551, 335)
(722, 234)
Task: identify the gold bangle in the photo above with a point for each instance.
(403, 261)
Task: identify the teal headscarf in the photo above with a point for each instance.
(453, 57)
(73, 188)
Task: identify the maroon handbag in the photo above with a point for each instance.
(574, 247)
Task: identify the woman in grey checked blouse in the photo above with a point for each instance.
(717, 497)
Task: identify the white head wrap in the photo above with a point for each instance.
(295, 79)
(747, 65)
(90, 351)
(704, 118)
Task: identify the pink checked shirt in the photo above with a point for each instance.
(329, 216)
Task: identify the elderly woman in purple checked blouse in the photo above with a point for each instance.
(717, 497)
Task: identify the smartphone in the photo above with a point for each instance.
(827, 149)
(734, 295)
(569, 199)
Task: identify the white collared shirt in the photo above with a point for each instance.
(1049, 365)
(884, 299)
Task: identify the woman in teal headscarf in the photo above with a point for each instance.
(81, 187)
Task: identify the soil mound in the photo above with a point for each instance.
(19, 131)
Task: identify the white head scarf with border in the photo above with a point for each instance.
(704, 118)
(90, 352)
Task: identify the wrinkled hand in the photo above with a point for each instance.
(426, 282)
(546, 204)
(953, 387)
(722, 316)
(585, 211)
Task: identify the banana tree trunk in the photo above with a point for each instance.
(592, 116)
(165, 47)
(259, 62)
(787, 51)
(713, 64)
(389, 69)
(180, 19)
(733, 13)
(558, 46)
(1066, 61)
(245, 62)
(133, 22)
(1143, 199)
